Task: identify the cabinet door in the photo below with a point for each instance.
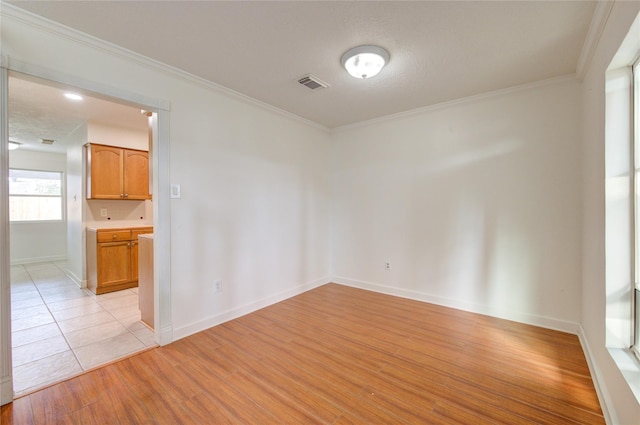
(106, 172)
(114, 263)
(136, 174)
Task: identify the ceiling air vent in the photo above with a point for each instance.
(48, 141)
(313, 82)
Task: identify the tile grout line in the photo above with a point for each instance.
(55, 319)
(31, 279)
(128, 330)
(29, 389)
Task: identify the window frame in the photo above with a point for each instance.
(62, 196)
(635, 205)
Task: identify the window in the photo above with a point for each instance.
(622, 205)
(35, 195)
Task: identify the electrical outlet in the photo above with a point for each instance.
(217, 286)
(387, 265)
(103, 212)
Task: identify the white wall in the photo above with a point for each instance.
(106, 134)
(255, 193)
(38, 241)
(475, 204)
(119, 212)
(622, 405)
(254, 210)
(76, 248)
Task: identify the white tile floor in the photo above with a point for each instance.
(59, 330)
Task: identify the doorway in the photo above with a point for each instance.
(50, 292)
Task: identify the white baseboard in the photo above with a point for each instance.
(544, 322)
(18, 261)
(598, 381)
(165, 336)
(6, 390)
(236, 312)
(77, 280)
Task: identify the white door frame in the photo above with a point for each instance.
(6, 377)
(161, 208)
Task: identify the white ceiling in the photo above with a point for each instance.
(39, 110)
(440, 50)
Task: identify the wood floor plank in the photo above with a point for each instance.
(18, 412)
(458, 414)
(226, 400)
(460, 390)
(336, 355)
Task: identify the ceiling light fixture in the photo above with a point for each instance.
(13, 145)
(364, 61)
(73, 96)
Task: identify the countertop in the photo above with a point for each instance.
(117, 225)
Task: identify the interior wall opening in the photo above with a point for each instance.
(60, 326)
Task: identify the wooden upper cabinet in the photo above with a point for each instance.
(117, 173)
(136, 174)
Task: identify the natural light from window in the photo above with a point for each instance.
(35, 195)
(622, 213)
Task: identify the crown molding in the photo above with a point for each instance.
(460, 101)
(16, 14)
(598, 22)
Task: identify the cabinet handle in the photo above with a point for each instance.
(115, 236)
(126, 195)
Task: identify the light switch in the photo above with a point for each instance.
(175, 191)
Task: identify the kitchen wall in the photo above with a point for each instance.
(107, 134)
(81, 212)
(119, 212)
(624, 408)
(38, 241)
(476, 204)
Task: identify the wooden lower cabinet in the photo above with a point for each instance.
(112, 258)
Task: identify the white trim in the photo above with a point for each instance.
(236, 312)
(161, 228)
(598, 23)
(82, 283)
(460, 101)
(627, 362)
(43, 24)
(18, 261)
(541, 321)
(6, 369)
(94, 88)
(598, 379)
(6, 389)
(164, 336)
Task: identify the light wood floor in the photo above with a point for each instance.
(336, 355)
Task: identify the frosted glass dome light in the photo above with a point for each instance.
(365, 61)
